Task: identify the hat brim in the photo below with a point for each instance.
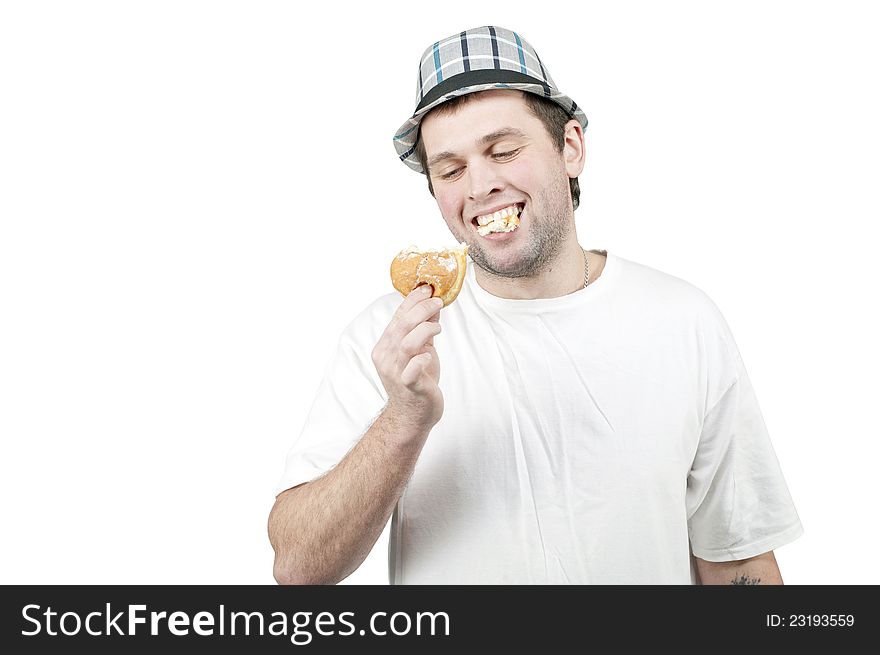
(406, 137)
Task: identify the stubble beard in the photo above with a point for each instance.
(549, 227)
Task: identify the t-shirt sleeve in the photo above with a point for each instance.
(738, 503)
(349, 399)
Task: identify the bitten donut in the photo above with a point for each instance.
(443, 269)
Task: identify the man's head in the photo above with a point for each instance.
(491, 152)
(491, 127)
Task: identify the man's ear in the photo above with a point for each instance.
(573, 151)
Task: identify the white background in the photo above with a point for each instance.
(196, 197)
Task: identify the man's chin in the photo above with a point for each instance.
(505, 262)
(510, 266)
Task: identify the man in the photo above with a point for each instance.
(594, 422)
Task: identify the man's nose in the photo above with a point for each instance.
(483, 180)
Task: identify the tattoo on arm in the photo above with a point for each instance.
(744, 579)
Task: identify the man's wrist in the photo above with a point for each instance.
(404, 425)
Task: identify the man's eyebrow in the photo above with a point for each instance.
(497, 135)
(436, 159)
(504, 132)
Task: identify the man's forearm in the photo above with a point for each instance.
(761, 569)
(322, 531)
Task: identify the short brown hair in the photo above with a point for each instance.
(548, 112)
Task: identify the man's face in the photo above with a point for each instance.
(490, 154)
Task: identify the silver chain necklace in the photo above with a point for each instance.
(586, 269)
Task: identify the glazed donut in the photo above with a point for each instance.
(443, 269)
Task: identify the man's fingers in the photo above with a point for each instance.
(396, 327)
(412, 372)
(414, 297)
(429, 349)
(413, 342)
(419, 313)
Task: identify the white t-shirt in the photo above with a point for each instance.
(596, 438)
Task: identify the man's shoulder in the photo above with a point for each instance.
(659, 286)
(682, 302)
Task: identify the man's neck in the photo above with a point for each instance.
(564, 276)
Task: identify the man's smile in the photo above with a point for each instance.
(505, 219)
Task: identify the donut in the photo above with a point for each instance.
(442, 269)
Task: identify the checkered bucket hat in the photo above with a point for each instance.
(479, 59)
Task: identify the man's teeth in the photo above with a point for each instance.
(500, 214)
(505, 224)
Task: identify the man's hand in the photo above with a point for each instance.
(407, 362)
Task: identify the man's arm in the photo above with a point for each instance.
(761, 569)
(322, 530)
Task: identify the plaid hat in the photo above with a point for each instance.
(479, 59)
